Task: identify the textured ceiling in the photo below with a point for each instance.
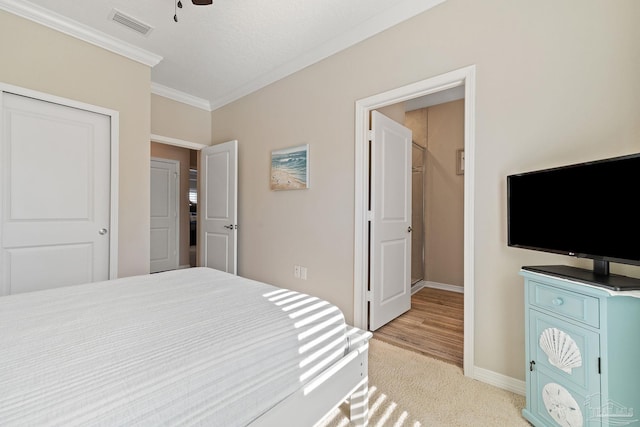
(221, 52)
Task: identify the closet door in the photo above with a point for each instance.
(55, 195)
(165, 211)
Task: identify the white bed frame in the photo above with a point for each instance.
(344, 380)
(347, 379)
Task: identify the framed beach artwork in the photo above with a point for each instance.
(290, 168)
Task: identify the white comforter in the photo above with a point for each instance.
(186, 347)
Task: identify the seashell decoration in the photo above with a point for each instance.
(561, 349)
(561, 406)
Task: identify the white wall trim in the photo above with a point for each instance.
(176, 95)
(177, 142)
(115, 159)
(444, 286)
(464, 76)
(78, 30)
(416, 287)
(501, 381)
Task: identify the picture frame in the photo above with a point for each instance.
(290, 168)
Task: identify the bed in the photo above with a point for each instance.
(187, 347)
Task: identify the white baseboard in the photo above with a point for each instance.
(501, 381)
(417, 286)
(443, 286)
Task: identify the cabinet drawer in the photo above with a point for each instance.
(582, 308)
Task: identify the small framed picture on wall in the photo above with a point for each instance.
(290, 168)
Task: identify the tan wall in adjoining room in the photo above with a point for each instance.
(38, 58)
(556, 83)
(440, 128)
(416, 120)
(444, 193)
(183, 155)
(181, 121)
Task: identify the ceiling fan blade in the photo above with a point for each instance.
(202, 2)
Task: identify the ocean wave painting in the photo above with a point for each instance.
(290, 169)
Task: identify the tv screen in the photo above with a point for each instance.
(586, 210)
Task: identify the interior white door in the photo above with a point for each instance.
(218, 207)
(55, 195)
(390, 242)
(164, 235)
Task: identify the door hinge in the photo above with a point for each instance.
(371, 135)
(369, 215)
(368, 295)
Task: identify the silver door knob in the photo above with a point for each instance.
(102, 231)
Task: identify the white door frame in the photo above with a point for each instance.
(115, 166)
(464, 76)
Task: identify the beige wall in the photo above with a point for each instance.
(183, 155)
(178, 120)
(557, 83)
(38, 58)
(444, 192)
(440, 129)
(174, 119)
(416, 120)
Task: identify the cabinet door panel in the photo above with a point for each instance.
(566, 363)
(563, 404)
(569, 351)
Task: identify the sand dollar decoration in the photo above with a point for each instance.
(561, 406)
(561, 349)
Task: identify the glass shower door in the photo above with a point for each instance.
(417, 214)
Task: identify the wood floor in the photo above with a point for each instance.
(434, 326)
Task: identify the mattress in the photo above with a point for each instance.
(194, 346)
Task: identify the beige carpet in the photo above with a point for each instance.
(409, 389)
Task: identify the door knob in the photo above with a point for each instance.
(230, 227)
(102, 231)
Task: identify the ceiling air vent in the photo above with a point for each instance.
(129, 22)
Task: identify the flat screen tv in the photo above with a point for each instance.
(587, 210)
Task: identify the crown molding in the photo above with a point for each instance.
(80, 31)
(179, 96)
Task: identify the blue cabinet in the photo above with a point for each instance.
(582, 353)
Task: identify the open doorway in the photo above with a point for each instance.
(434, 323)
(186, 185)
(460, 78)
(193, 214)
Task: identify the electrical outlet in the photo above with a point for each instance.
(303, 273)
(296, 271)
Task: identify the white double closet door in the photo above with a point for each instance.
(55, 195)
